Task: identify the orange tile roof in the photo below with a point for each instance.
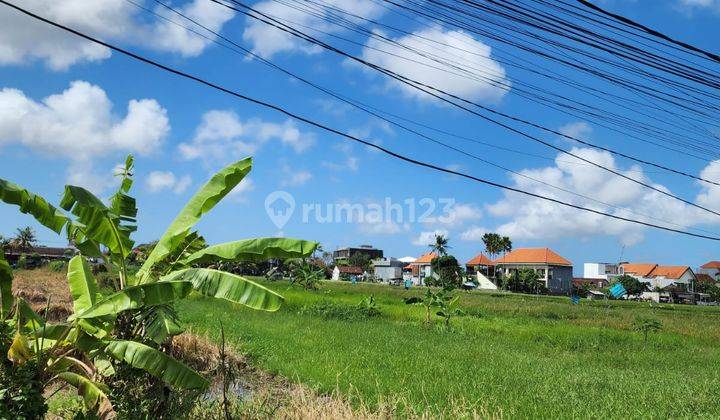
(480, 259)
(670, 271)
(640, 269)
(533, 256)
(711, 264)
(704, 278)
(425, 258)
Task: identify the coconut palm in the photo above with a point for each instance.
(440, 246)
(493, 244)
(505, 245)
(25, 239)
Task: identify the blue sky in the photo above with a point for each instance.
(70, 111)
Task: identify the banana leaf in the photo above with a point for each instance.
(231, 287)
(156, 363)
(83, 287)
(136, 297)
(33, 204)
(6, 296)
(253, 249)
(202, 202)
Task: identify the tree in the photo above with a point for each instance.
(505, 245)
(25, 239)
(359, 259)
(129, 327)
(646, 326)
(525, 280)
(493, 244)
(632, 285)
(307, 275)
(440, 246)
(448, 271)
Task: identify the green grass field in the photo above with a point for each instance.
(510, 355)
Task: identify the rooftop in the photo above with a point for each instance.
(533, 256)
(425, 258)
(480, 259)
(711, 264)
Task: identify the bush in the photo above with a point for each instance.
(57, 266)
(22, 262)
(448, 271)
(331, 310)
(21, 388)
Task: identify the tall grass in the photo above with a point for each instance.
(522, 356)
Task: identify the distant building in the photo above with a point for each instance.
(420, 269)
(712, 269)
(388, 269)
(44, 252)
(483, 269)
(590, 282)
(342, 255)
(661, 276)
(342, 272)
(555, 271)
(602, 271)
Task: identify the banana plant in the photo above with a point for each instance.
(128, 324)
(48, 349)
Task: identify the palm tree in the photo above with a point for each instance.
(25, 238)
(440, 246)
(4, 243)
(505, 245)
(493, 244)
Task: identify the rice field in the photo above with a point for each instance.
(513, 356)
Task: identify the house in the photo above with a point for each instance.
(420, 269)
(601, 271)
(347, 272)
(484, 270)
(44, 253)
(591, 283)
(712, 269)
(661, 276)
(555, 271)
(388, 269)
(342, 255)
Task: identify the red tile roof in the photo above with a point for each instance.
(533, 256)
(480, 259)
(424, 259)
(653, 270)
(639, 269)
(711, 264)
(348, 269)
(670, 271)
(704, 278)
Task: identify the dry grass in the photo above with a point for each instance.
(36, 286)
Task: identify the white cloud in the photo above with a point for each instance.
(294, 177)
(24, 39)
(533, 219)
(79, 124)
(221, 136)
(382, 227)
(239, 193)
(428, 237)
(460, 46)
(698, 4)
(158, 181)
(473, 234)
(173, 38)
(349, 164)
(579, 130)
(451, 214)
(267, 41)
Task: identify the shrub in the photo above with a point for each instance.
(57, 266)
(22, 262)
(449, 273)
(339, 311)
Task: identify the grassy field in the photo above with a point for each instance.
(510, 356)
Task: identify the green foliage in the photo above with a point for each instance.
(646, 325)
(57, 266)
(496, 244)
(359, 259)
(525, 280)
(632, 285)
(306, 275)
(448, 271)
(131, 323)
(22, 262)
(369, 306)
(339, 311)
(440, 246)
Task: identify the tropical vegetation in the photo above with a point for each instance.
(113, 348)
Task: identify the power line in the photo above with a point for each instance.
(369, 109)
(423, 88)
(337, 132)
